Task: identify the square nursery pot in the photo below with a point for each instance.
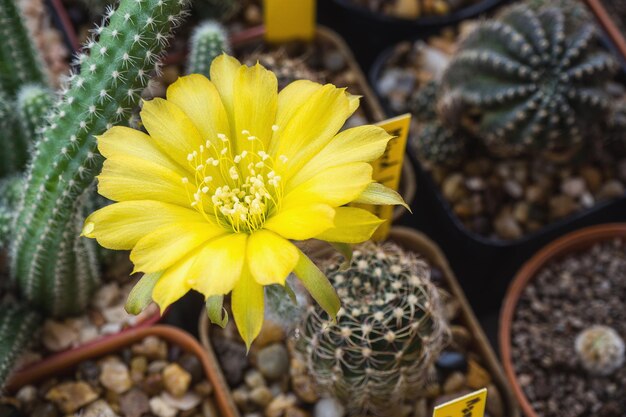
(369, 32)
(421, 245)
(486, 265)
(66, 364)
(567, 245)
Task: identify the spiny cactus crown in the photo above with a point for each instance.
(600, 350)
(388, 333)
(438, 144)
(529, 81)
(209, 39)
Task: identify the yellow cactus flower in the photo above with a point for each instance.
(230, 172)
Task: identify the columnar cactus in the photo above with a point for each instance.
(33, 104)
(18, 324)
(208, 40)
(388, 333)
(47, 260)
(20, 61)
(12, 147)
(529, 80)
(600, 350)
(10, 196)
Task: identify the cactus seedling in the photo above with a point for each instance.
(208, 40)
(530, 80)
(600, 350)
(388, 333)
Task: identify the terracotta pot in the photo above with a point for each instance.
(418, 243)
(572, 242)
(65, 363)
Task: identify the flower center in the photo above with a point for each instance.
(239, 190)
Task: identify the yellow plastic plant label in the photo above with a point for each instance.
(387, 168)
(287, 20)
(470, 405)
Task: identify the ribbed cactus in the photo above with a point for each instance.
(18, 325)
(438, 144)
(209, 39)
(600, 350)
(423, 104)
(33, 102)
(55, 271)
(529, 80)
(20, 62)
(12, 145)
(10, 195)
(388, 333)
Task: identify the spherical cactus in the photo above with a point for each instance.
(423, 104)
(529, 81)
(388, 333)
(600, 350)
(438, 144)
(208, 40)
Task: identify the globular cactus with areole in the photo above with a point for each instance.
(55, 271)
(208, 40)
(600, 350)
(438, 144)
(534, 79)
(388, 334)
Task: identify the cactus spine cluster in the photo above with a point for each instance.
(55, 271)
(388, 333)
(208, 40)
(600, 350)
(20, 62)
(529, 80)
(17, 327)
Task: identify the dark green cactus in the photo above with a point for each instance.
(18, 325)
(55, 271)
(10, 195)
(13, 153)
(33, 104)
(438, 144)
(423, 104)
(209, 39)
(388, 333)
(20, 62)
(529, 80)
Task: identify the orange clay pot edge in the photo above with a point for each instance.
(572, 242)
(60, 363)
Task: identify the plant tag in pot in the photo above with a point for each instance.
(287, 20)
(388, 168)
(470, 405)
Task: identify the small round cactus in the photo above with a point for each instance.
(209, 39)
(423, 104)
(600, 350)
(531, 80)
(438, 144)
(388, 333)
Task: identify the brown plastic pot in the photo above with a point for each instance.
(570, 243)
(418, 243)
(65, 363)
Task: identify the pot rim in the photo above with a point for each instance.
(172, 334)
(572, 242)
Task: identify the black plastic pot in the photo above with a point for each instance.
(484, 266)
(368, 33)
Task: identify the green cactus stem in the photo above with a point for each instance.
(17, 328)
(20, 61)
(209, 39)
(55, 271)
(13, 148)
(10, 195)
(33, 104)
(388, 333)
(529, 81)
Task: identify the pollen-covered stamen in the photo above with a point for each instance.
(238, 191)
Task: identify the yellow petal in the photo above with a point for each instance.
(219, 264)
(317, 285)
(270, 257)
(161, 248)
(124, 141)
(171, 129)
(224, 69)
(125, 178)
(301, 222)
(352, 225)
(256, 94)
(198, 98)
(312, 126)
(359, 144)
(173, 283)
(121, 225)
(248, 307)
(376, 193)
(334, 186)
